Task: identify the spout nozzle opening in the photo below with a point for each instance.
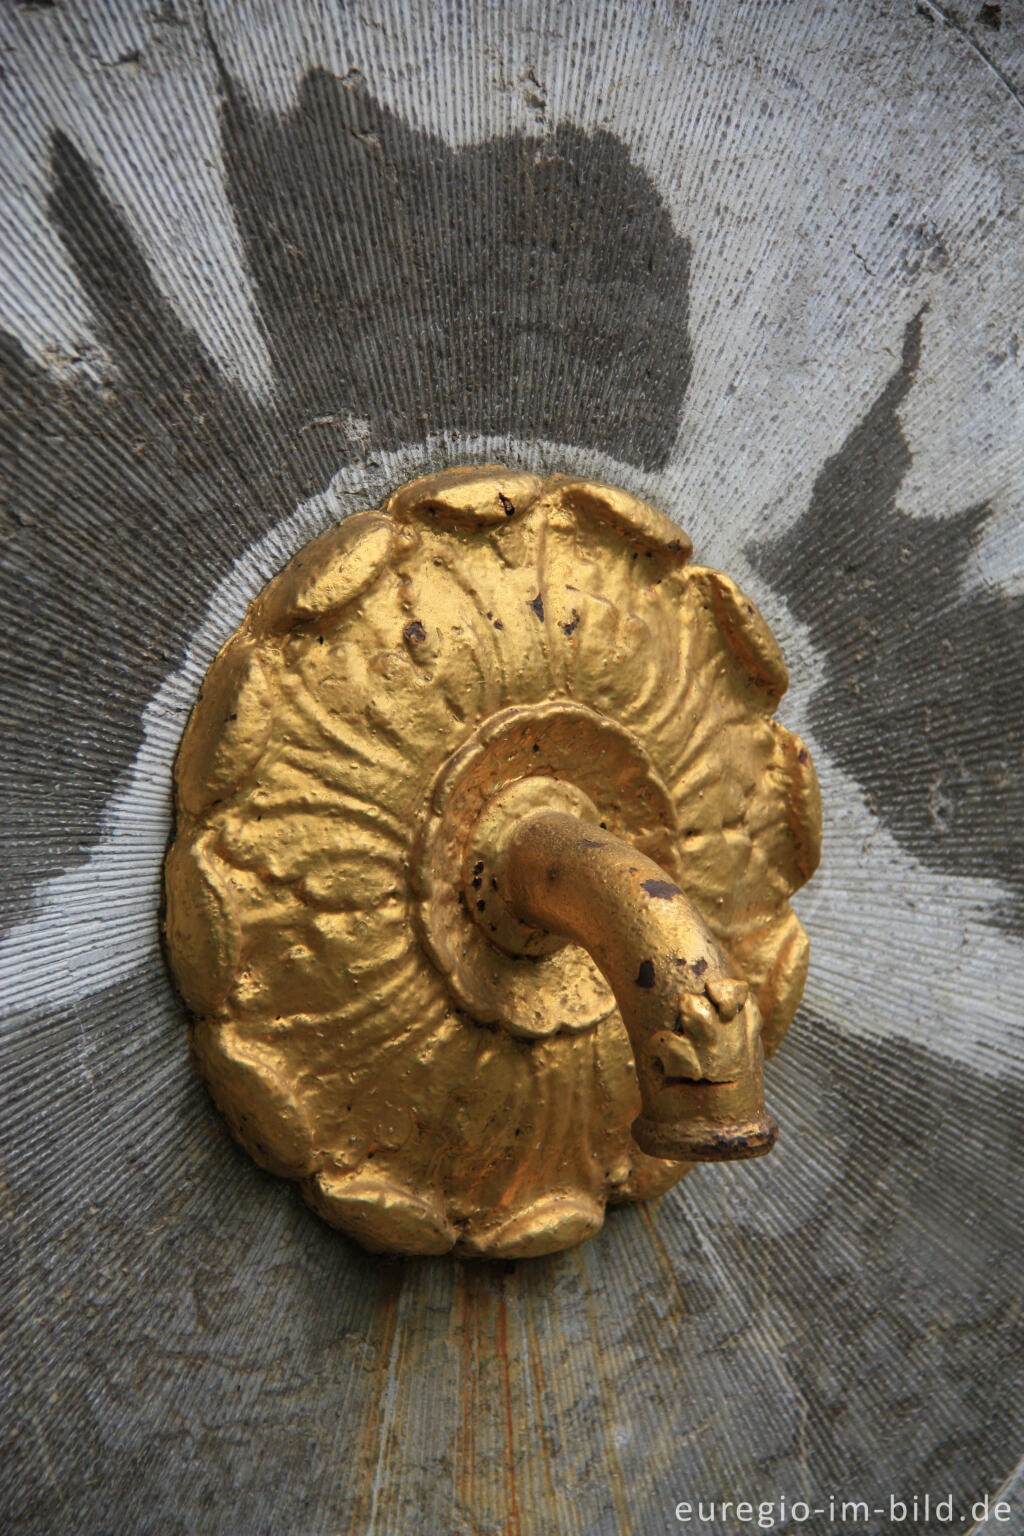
(706, 1141)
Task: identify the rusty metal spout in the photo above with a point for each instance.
(695, 1029)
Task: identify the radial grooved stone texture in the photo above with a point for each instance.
(760, 265)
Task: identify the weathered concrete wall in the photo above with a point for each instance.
(761, 263)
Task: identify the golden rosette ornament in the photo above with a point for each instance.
(363, 1019)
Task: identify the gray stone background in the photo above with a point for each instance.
(762, 262)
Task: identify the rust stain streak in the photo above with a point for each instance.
(501, 1330)
(615, 1479)
(369, 1455)
(467, 1387)
(537, 1372)
(645, 1212)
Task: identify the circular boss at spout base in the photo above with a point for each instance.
(549, 756)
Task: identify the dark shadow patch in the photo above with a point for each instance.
(865, 1274)
(146, 1280)
(897, 1290)
(525, 285)
(128, 499)
(923, 700)
(531, 286)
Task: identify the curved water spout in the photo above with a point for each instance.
(695, 1029)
